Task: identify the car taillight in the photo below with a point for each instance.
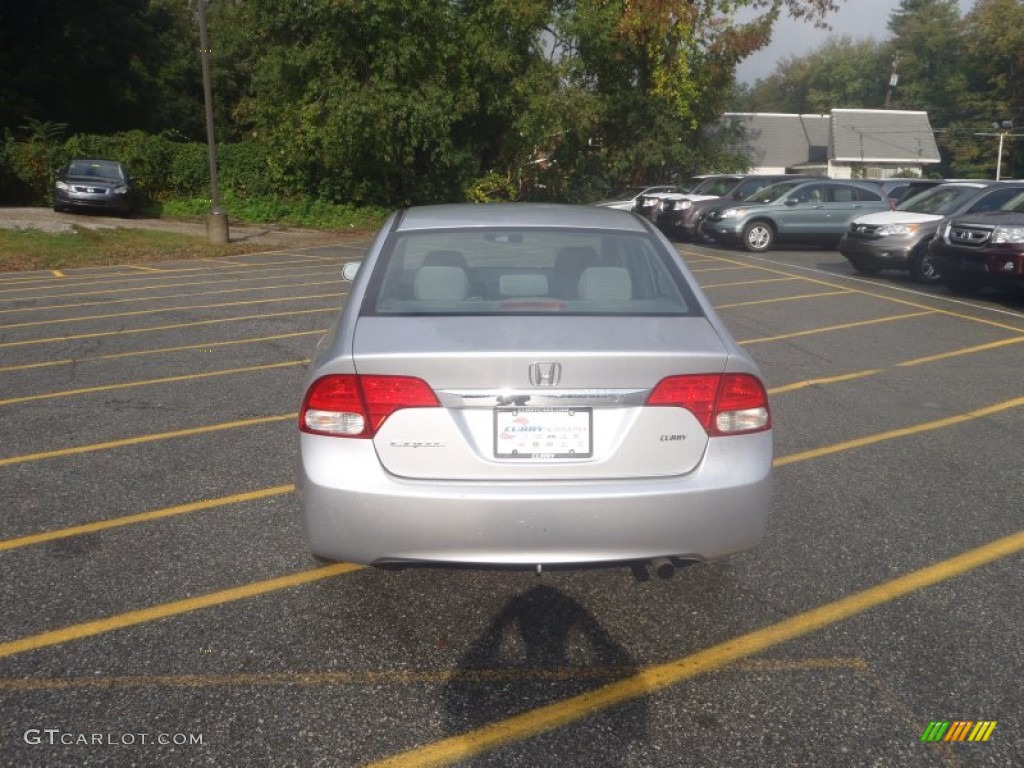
(724, 404)
(350, 405)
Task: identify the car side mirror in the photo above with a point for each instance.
(792, 201)
(349, 270)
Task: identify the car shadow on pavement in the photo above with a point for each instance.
(544, 647)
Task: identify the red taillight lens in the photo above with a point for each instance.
(724, 404)
(694, 393)
(349, 405)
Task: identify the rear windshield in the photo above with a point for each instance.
(527, 271)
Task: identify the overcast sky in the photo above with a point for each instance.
(857, 19)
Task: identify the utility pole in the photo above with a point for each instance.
(217, 220)
(894, 79)
(1004, 127)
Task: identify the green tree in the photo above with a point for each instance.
(401, 101)
(99, 67)
(840, 74)
(985, 88)
(927, 50)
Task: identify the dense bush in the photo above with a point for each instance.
(174, 177)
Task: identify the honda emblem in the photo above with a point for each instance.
(545, 374)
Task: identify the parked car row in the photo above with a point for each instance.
(900, 239)
(800, 210)
(966, 233)
(678, 216)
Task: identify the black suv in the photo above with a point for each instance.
(983, 249)
(679, 215)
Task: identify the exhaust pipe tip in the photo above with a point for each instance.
(663, 567)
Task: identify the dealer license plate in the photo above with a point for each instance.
(543, 433)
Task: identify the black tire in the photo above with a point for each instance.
(702, 233)
(758, 236)
(923, 267)
(862, 266)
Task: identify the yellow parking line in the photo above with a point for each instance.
(62, 452)
(164, 297)
(914, 429)
(824, 380)
(966, 351)
(702, 270)
(206, 347)
(167, 327)
(164, 274)
(783, 298)
(229, 263)
(298, 259)
(842, 327)
(400, 677)
(231, 280)
(158, 310)
(652, 679)
(115, 622)
(148, 382)
(334, 677)
(56, 273)
(916, 361)
(751, 282)
(141, 616)
(880, 296)
(144, 269)
(143, 517)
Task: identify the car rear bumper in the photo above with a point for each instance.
(355, 511)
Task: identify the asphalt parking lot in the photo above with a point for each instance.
(160, 608)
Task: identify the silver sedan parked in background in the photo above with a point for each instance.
(525, 386)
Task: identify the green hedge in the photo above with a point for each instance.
(164, 167)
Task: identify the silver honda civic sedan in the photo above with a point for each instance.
(525, 385)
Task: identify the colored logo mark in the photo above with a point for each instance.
(958, 730)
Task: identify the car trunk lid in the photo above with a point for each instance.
(552, 398)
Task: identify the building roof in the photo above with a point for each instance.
(779, 140)
(844, 136)
(882, 136)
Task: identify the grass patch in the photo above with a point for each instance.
(29, 249)
(32, 249)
